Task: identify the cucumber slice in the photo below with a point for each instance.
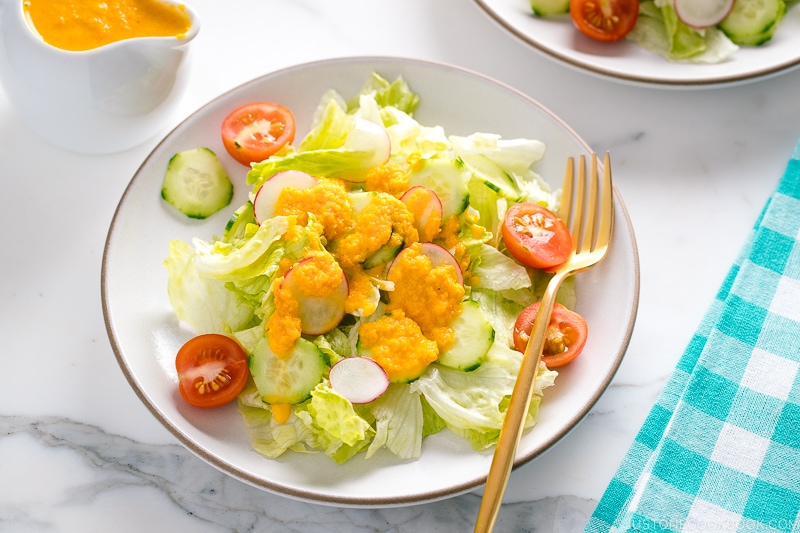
(487, 172)
(448, 179)
(288, 379)
(196, 183)
(383, 255)
(753, 22)
(543, 8)
(361, 199)
(473, 336)
(236, 228)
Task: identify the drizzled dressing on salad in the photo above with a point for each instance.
(377, 239)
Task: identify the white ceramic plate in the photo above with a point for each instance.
(624, 61)
(146, 336)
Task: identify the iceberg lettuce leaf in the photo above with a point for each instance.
(226, 261)
(475, 401)
(335, 415)
(396, 94)
(330, 128)
(399, 422)
(496, 271)
(510, 155)
(271, 438)
(203, 303)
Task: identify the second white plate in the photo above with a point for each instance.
(625, 61)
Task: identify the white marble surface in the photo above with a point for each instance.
(78, 450)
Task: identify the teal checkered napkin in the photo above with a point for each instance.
(720, 450)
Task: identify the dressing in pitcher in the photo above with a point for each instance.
(87, 24)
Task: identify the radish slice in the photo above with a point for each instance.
(359, 379)
(370, 136)
(426, 207)
(267, 195)
(439, 257)
(702, 13)
(318, 314)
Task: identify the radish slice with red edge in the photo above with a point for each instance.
(424, 203)
(370, 136)
(267, 195)
(318, 314)
(359, 379)
(701, 14)
(438, 256)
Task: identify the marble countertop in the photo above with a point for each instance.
(80, 452)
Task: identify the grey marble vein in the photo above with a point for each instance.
(81, 466)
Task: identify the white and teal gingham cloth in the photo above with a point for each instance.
(720, 450)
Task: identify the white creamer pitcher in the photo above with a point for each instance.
(102, 100)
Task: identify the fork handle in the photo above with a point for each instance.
(511, 432)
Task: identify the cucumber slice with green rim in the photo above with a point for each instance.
(753, 22)
(383, 255)
(236, 227)
(544, 8)
(473, 336)
(448, 179)
(288, 379)
(196, 183)
(487, 172)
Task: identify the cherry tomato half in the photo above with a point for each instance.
(565, 337)
(212, 370)
(535, 236)
(253, 132)
(604, 20)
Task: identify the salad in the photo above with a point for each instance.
(376, 285)
(689, 31)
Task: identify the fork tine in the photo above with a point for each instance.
(578, 206)
(607, 211)
(565, 207)
(591, 214)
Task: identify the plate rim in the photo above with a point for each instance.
(307, 495)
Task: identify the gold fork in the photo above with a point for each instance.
(591, 235)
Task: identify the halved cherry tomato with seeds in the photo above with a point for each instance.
(604, 20)
(212, 370)
(535, 236)
(253, 132)
(565, 338)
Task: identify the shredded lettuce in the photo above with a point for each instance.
(514, 156)
(221, 311)
(271, 438)
(472, 404)
(396, 94)
(496, 271)
(661, 31)
(336, 416)
(399, 422)
(222, 260)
